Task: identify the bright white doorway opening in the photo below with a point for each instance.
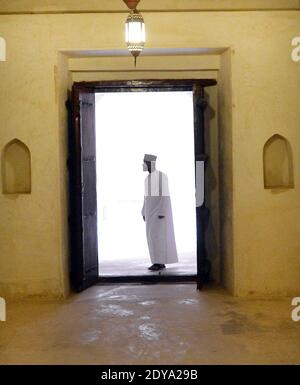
(128, 125)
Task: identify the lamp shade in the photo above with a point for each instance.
(135, 33)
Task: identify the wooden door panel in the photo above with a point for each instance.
(83, 189)
(89, 188)
(90, 250)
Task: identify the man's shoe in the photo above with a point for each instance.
(157, 267)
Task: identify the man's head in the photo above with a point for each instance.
(149, 162)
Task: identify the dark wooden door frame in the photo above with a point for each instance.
(197, 86)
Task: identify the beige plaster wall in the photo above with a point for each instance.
(264, 226)
(225, 107)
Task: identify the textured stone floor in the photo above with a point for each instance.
(118, 268)
(151, 324)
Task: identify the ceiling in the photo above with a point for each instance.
(75, 6)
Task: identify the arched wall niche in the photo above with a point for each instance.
(278, 163)
(16, 168)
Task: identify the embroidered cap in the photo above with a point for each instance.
(150, 158)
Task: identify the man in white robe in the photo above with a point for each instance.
(157, 213)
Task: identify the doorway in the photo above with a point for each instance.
(160, 123)
(111, 155)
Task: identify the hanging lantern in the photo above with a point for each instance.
(135, 33)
